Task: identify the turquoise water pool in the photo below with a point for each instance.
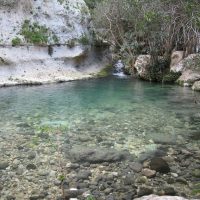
(112, 112)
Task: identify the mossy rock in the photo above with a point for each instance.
(196, 190)
(171, 77)
(127, 70)
(180, 82)
(196, 173)
(105, 71)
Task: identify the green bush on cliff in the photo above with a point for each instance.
(92, 3)
(84, 40)
(34, 33)
(16, 41)
(171, 77)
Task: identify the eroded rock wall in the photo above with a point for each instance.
(43, 41)
(66, 19)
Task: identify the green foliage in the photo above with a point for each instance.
(71, 43)
(171, 77)
(16, 41)
(55, 39)
(105, 71)
(156, 27)
(92, 3)
(34, 33)
(61, 1)
(90, 197)
(196, 189)
(61, 177)
(49, 129)
(84, 40)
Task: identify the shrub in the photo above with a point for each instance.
(84, 40)
(154, 27)
(71, 43)
(35, 33)
(92, 3)
(16, 41)
(61, 1)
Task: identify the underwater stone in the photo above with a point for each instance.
(98, 155)
(159, 165)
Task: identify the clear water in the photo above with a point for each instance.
(112, 112)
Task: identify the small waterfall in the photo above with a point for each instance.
(119, 69)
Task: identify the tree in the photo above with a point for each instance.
(155, 27)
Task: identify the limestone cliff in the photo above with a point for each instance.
(44, 41)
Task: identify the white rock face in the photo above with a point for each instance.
(33, 65)
(67, 19)
(29, 63)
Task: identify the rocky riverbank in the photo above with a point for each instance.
(183, 70)
(46, 167)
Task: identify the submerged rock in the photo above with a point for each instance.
(196, 173)
(159, 165)
(31, 166)
(136, 166)
(97, 155)
(84, 174)
(149, 173)
(144, 190)
(3, 165)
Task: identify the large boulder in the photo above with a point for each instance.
(196, 86)
(189, 67)
(180, 65)
(142, 66)
(188, 78)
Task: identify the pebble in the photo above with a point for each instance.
(149, 173)
(31, 155)
(84, 174)
(144, 190)
(31, 166)
(3, 165)
(174, 175)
